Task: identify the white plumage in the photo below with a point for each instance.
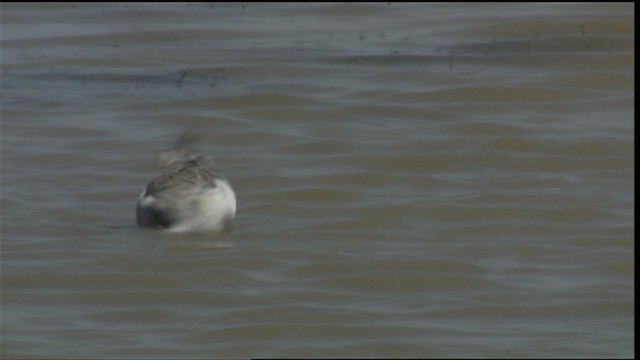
(187, 195)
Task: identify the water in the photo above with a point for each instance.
(413, 180)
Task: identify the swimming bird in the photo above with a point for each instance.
(188, 194)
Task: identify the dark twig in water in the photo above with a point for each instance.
(184, 74)
(535, 36)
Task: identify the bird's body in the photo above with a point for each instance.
(187, 195)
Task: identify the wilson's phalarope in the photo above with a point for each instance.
(187, 195)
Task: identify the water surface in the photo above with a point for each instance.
(413, 180)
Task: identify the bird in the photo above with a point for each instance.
(188, 194)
